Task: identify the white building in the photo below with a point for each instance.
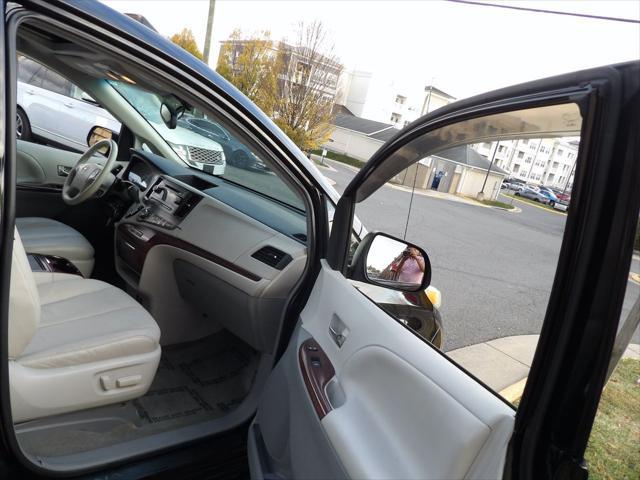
(548, 161)
(387, 101)
(358, 137)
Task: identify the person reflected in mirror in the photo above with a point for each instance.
(408, 267)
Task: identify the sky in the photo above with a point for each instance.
(464, 49)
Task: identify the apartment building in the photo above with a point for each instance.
(298, 65)
(388, 101)
(548, 161)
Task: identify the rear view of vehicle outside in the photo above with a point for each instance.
(493, 250)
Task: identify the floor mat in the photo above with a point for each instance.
(195, 382)
(209, 377)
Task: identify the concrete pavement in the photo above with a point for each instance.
(503, 364)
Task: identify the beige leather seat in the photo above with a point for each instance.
(74, 343)
(50, 237)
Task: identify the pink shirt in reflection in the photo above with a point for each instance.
(410, 271)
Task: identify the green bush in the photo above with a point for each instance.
(339, 157)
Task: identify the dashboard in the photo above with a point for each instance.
(207, 252)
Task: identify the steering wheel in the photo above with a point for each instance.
(86, 178)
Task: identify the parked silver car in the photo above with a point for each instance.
(533, 193)
(53, 110)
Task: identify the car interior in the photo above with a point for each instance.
(147, 297)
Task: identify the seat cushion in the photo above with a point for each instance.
(84, 321)
(50, 237)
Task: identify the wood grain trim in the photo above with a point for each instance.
(158, 237)
(317, 370)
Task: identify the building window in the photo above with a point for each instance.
(525, 141)
(560, 151)
(400, 99)
(396, 118)
(501, 148)
(520, 154)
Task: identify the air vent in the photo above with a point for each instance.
(301, 236)
(273, 257)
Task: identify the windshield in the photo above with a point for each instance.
(202, 143)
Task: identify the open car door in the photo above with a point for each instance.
(359, 395)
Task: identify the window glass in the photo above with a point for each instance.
(27, 69)
(55, 83)
(493, 250)
(202, 142)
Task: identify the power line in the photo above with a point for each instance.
(540, 10)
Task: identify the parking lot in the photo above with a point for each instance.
(494, 268)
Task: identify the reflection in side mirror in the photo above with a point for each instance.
(392, 263)
(97, 134)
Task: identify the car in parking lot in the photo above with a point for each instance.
(53, 110)
(533, 193)
(513, 184)
(236, 153)
(547, 192)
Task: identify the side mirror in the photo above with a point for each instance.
(98, 133)
(389, 262)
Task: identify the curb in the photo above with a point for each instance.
(534, 205)
(513, 392)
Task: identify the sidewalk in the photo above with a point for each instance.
(504, 363)
(418, 191)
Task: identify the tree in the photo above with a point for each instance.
(251, 65)
(186, 40)
(294, 84)
(309, 71)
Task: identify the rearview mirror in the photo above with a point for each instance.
(383, 260)
(171, 114)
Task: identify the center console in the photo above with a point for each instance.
(162, 207)
(51, 263)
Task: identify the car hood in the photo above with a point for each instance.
(184, 136)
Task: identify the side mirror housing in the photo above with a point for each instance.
(389, 262)
(98, 133)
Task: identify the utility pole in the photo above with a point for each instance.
(569, 177)
(535, 156)
(207, 37)
(493, 158)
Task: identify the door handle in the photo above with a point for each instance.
(69, 105)
(63, 170)
(30, 92)
(338, 331)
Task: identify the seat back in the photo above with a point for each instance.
(24, 301)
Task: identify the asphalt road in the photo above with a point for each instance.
(494, 268)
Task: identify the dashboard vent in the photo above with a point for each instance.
(273, 257)
(301, 236)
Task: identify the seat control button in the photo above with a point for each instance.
(129, 381)
(106, 382)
